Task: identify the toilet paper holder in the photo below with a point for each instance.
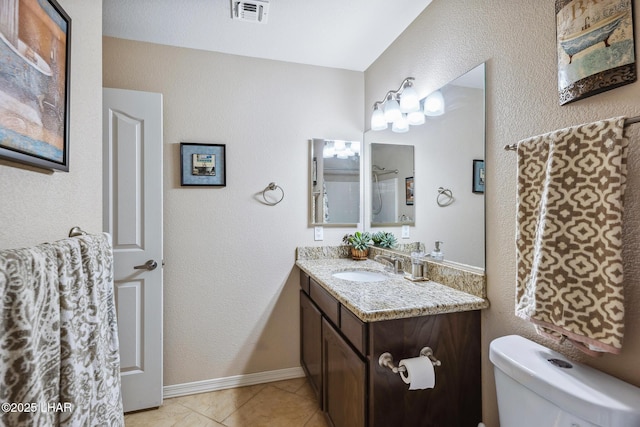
(386, 360)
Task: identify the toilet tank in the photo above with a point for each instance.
(538, 387)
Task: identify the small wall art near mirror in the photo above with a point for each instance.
(447, 203)
(335, 182)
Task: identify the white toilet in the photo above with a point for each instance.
(538, 387)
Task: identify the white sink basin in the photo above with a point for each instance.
(360, 276)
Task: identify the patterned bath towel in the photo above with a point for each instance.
(58, 335)
(571, 185)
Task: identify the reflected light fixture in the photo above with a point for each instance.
(434, 104)
(415, 118)
(341, 149)
(400, 107)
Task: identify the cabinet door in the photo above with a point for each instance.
(311, 343)
(345, 380)
(456, 399)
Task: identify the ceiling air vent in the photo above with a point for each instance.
(250, 10)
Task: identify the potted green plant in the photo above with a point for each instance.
(384, 239)
(359, 242)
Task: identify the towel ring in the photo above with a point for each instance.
(272, 187)
(445, 197)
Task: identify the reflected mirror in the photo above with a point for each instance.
(449, 173)
(392, 185)
(335, 182)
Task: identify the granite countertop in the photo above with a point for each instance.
(394, 298)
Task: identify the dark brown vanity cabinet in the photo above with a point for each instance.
(344, 380)
(311, 343)
(339, 354)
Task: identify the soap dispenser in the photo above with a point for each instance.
(417, 265)
(437, 254)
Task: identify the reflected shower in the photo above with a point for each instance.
(377, 171)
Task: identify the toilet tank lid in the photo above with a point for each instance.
(581, 390)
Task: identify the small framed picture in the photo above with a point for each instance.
(408, 184)
(478, 176)
(202, 164)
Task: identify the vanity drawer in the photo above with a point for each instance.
(328, 304)
(304, 282)
(354, 329)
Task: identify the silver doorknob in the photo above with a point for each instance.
(149, 265)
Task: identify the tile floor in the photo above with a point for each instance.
(288, 403)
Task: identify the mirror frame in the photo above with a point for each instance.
(312, 171)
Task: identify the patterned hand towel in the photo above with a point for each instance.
(569, 234)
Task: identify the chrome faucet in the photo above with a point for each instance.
(393, 264)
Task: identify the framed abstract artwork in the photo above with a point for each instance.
(34, 83)
(595, 47)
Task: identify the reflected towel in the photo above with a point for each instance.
(569, 234)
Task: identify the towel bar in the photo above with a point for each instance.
(627, 122)
(386, 360)
(76, 231)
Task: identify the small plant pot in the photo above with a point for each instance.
(359, 254)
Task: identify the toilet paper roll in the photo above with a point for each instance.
(419, 373)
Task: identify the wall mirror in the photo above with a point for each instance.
(392, 185)
(335, 182)
(449, 150)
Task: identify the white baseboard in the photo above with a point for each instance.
(231, 382)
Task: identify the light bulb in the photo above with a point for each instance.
(401, 125)
(391, 110)
(409, 101)
(378, 122)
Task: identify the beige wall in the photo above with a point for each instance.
(231, 293)
(517, 40)
(36, 205)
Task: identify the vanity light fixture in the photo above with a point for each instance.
(400, 107)
(392, 108)
(378, 122)
(409, 101)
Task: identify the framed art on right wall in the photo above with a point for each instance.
(478, 177)
(595, 47)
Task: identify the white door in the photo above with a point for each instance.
(132, 138)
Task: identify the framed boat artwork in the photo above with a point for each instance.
(595, 46)
(35, 38)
